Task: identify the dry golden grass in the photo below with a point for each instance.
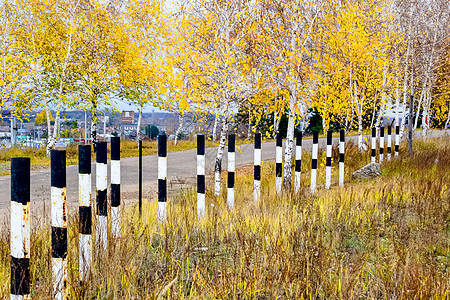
(387, 238)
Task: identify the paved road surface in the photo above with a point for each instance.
(181, 172)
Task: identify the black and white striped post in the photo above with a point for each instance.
(381, 144)
(231, 169)
(341, 157)
(257, 168)
(279, 163)
(115, 187)
(389, 142)
(397, 139)
(85, 209)
(298, 161)
(328, 161)
(201, 205)
(374, 145)
(59, 222)
(314, 154)
(101, 175)
(162, 176)
(20, 228)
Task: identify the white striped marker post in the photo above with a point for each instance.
(115, 187)
(397, 139)
(201, 205)
(298, 161)
(231, 169)
(315, 150)
(85, 209)
(20, 228)
(279, 163)
(162, 176)
(374, 145)
(328, 161)
(389, 142)
(341, 157)
(257, 168)
(59, 222)
(381, 144)
(101, 175)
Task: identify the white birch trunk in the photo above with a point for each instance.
(50, 141)
(214, 132)
(289, 145)
(219, 156)
(180, 126)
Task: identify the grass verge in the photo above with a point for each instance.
(384, 238)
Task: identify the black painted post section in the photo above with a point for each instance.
(20, 227)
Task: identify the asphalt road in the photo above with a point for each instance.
(181, 173)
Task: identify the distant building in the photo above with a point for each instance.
(127, 117)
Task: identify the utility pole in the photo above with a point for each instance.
(410, 124)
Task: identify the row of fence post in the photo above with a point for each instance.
(382, 143)
(20, 197)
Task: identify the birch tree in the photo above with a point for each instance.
(287, 30)
(216, 34)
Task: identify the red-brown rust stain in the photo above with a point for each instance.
(26, 225)
(64, 196)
